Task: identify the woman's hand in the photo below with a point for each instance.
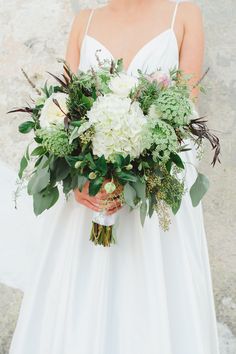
(102, 201)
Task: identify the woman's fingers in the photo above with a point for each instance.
(114, 210)
(90, 205)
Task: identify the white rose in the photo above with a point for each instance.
(122, 84)
(51, 113)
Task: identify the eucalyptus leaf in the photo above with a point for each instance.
(143, 212)
(140, 188)
(45, 199)
(126, 177)
(23, 165)
(61, 169)
(130, 195)
(199, 189)
(38, 181)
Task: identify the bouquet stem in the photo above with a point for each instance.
(102, 235)
(102, 232)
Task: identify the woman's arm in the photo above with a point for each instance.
(75, 39)
(192, 47)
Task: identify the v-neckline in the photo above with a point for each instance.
(142, 48)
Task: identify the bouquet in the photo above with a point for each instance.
(122, 134)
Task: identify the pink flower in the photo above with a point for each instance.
(161, 78)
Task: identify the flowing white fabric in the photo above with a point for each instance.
(151, 293)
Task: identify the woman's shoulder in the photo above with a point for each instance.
(189, 8)
(82, 16)
(190, 12)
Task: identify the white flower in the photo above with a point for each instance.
(118, 126)
(122, 84)
(51, 113)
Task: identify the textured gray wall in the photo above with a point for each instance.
(34, 33)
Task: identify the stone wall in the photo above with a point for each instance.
(34, 33)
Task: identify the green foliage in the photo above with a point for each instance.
(149, 92)
(26, 127)
(78, 103)
(130, 195)
(95, 185)
(199, 189)
(173, 106)
(23, 165)
(56, 141)
(38, 181)
(45, 199)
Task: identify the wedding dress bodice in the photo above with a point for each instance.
(159, 52)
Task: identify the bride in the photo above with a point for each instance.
(151, 293)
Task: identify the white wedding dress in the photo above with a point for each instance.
(151, 293)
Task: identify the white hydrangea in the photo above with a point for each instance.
(51, 113)
(118, 126)
(122, 84)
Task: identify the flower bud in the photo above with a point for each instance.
(129, 167)
(92, 175)
(110, 187)
(78, 164)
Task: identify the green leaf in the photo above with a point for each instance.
(76, 123)
(26, 127)
(45, 199)
(130, 195)
(71, 160)
(199, 189)
(38, 181)
(175, 208)
(126, 177)
(38, 151)
(27, 153)
(74, 134)
(61, 169)
(152, 201)
(169, 165)
(87, 102)
(143, 212)
(177, 160)
(89, 158)
(140, 188)
(101, 165)
(44, 162)
(119, 160)
(67, 184)
(95, 185)
(23, 165)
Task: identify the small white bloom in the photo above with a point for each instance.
(122, 84)
(51, 113)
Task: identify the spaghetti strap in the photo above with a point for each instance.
(89, 21)
(174, 14)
